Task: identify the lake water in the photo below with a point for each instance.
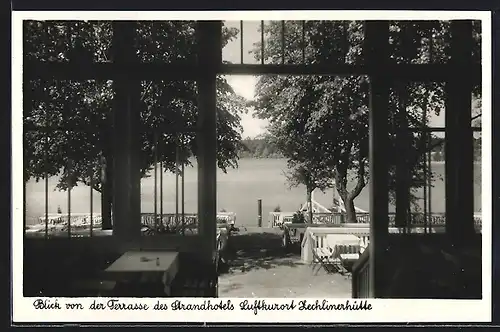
(237, 191)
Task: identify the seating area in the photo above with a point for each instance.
(100, 266)
(324, 249)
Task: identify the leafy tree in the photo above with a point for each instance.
(77, 148)
(321, 122)
(308, 174)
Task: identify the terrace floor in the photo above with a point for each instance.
(259, 267)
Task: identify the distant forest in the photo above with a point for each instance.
(260, 147)
(263, 147)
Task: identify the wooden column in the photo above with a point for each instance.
(402, 153)
(376, 50)
(210, 60)
(403, 175)
(459, 154)
(126, 139)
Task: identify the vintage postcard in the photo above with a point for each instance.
(271, 166)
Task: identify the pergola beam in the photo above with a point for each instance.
(155, 71)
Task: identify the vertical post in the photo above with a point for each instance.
(241, 42)
(262, 61)
(402, 218)
(161, 180)
(282, 42)
(426, 200)
(155, 161)
(46, 160)
(70, 169)
(303, 23)
(177, 183)
(106, 165)
(429, 184)
(91, 184)
(459, 154)
(24, 206)
(403, 176)
(126, 116)
(183, 200)
(209, 60)
(427, 143)
(376, 46)
(259, 212)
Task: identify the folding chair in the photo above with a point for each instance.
(321, 257)
(343, 254)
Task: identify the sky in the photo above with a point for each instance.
(244, 85)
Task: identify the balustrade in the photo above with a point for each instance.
(277, 219)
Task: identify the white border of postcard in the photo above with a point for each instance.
(382, 310)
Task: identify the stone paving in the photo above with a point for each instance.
(259, 267)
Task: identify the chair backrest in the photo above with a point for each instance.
(317, 239)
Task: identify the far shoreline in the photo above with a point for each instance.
(285, 159)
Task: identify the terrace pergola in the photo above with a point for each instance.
(126, 71)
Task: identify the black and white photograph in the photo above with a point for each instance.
(308, 159)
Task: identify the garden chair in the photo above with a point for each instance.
(321, 257)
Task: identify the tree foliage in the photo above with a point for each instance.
(79, 113)
(259, 147)
(321, 122)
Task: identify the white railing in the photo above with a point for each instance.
(277, 219)
(81, 224)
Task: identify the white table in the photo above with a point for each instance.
(349, 256)
(334, 240)
(150, 265)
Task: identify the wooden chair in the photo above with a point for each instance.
(321, 257)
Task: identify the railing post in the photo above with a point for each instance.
(376, 48)
(259, 213)
(209, 60)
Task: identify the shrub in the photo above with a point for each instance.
(298, 218)
(277, 209)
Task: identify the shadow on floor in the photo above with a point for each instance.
(52, 274)
(251, 251)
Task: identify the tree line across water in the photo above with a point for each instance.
(259, 147)
(263, 147)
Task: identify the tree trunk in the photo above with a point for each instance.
(350, 210)
(309, 201)
(106, 192)
(348, 197)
